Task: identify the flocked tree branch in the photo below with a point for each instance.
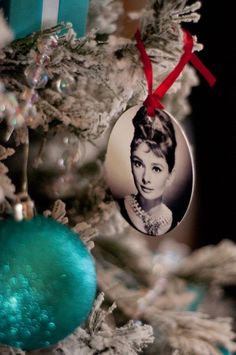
(109, 79)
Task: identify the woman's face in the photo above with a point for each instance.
(151, 174)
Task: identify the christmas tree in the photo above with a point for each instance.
(60, 98)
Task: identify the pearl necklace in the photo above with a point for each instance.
(152, 225)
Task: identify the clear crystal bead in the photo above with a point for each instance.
(2, 110)
(66, 85)
(47, 44)
(30, 95)
(42, 59)
(36, 76)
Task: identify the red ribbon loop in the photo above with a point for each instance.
(203, 70)
(152, 101)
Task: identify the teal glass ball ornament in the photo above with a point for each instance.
(47, 282)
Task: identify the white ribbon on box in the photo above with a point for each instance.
(50, 13)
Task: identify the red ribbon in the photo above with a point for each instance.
(152, 101)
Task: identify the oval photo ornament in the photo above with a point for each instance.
(149, 170)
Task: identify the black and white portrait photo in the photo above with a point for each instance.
(149, 170)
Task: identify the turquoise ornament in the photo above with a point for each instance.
(47, 282)
(224, 351)
(200, 294)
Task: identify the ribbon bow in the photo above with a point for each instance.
(153, 100)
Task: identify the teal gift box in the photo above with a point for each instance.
(27, 16)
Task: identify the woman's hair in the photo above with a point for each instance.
(157, 132)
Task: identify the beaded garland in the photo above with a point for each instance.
(20, 112)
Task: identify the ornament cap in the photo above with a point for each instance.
(24, 207)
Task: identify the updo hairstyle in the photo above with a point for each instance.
(157, 132)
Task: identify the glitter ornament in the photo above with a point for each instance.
(47, 282)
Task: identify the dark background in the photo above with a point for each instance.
(214, 116)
